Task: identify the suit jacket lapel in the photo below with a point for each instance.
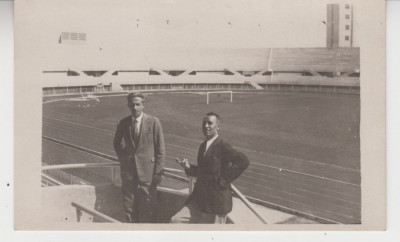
(212, 146)
(143, 128)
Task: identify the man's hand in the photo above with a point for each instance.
(156, 179)
(184, 163)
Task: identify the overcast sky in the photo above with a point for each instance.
(119, 29)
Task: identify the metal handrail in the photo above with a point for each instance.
(93, 152)
(91, 165)
(247, 203)
(176, 177)
(110, 164)
(52, 179)
(78, 165)
(80, 208)
(167, 173)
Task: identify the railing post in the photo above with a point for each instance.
(113, 175)
(78, 214)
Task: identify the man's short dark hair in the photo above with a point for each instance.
(133, 95)
(214, 114)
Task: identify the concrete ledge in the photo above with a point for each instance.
(56, 202)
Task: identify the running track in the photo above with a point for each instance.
(329, 192)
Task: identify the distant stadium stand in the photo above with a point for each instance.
(286, 69)
(315, 61)
(99, 88)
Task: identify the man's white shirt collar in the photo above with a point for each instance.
(209, 142)
(139, 119)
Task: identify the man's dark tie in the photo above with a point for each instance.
(203, 149)
(135, 131)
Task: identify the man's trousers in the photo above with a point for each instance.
(139, 202)
(194, 216)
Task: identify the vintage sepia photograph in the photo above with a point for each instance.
(175, 115)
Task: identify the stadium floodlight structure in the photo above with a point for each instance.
(217, 93)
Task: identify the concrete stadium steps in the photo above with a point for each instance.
(301, 192)
(318, 59)
(316, 81)
(255, 85)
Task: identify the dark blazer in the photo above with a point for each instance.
(215, 171)
(148, 156)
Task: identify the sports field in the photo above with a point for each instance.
(304, 147)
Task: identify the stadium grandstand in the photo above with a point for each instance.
(334, 69)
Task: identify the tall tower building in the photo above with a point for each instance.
(339, 26)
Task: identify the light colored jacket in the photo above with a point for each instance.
(147, 156)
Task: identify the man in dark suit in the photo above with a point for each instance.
(218, 164)
(139, 144)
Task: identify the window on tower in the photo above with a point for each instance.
(347, 38)
(347, 27)
(347, 16)
(347, 6)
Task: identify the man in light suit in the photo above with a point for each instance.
(218, 164)
(139, 144)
